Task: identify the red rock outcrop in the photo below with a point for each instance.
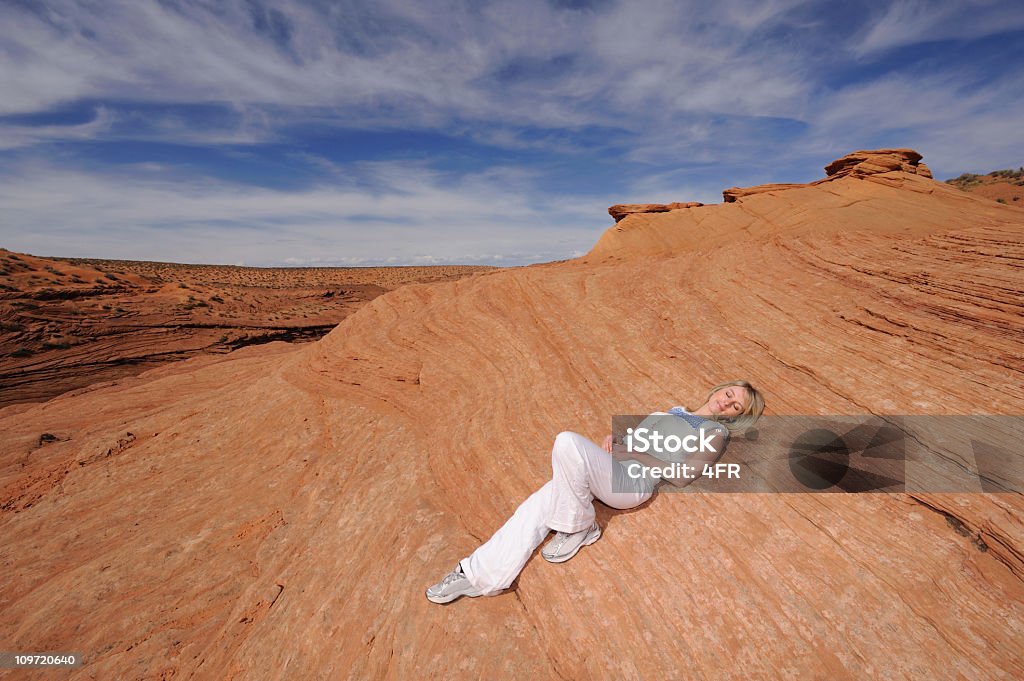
(864, 163)
(764, 210)
(730, 195)
(278, 511)
(858, 164)
(620, 211)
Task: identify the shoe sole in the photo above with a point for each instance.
(586, 542)
(448, 599)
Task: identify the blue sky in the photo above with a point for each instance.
(429, 132)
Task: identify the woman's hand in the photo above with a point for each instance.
(616, 449)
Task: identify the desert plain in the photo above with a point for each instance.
(72, 322)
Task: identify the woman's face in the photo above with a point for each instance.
(729, 401)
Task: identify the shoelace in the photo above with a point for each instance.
(450, 577)
(562, 537)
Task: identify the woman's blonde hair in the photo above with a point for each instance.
(755, 406)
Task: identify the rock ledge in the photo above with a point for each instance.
(860, 164)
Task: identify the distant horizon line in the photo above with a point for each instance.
(262, 267)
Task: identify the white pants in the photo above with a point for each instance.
(581, 470)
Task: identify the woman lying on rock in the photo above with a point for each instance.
(583, 470)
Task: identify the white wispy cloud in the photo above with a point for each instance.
(954, 117)
(753, 90)
(910, 22)
(402, 63)
(15, 136)
(414, 215)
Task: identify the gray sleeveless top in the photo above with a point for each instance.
(687, 424)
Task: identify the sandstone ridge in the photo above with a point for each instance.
(879, 178)
(620, 211)
(860, 164)
(856, 164)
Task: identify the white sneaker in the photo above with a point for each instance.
(565, 545)
(454, 585)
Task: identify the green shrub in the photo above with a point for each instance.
(965, 179)
(1009, 174)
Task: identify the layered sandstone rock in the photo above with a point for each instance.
(885, 180)
(278, 511)
(733, 193)
(860, 164)
(620, 211)
(864, 163)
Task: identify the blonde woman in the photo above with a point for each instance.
(582, 470)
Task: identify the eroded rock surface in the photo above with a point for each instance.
(620, 211)
(278, 511)
(864, 163)
(68, 323)
(885, 180)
